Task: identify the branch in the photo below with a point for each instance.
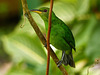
(48, 36)
(40, 35)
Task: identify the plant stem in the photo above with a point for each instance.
(48, 36)
(40, 35)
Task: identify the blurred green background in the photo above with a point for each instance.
(21, 52)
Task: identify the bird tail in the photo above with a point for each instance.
(68, 59)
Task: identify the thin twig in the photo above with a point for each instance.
(40, 35)
(48, 36)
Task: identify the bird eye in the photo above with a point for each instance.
(45, 10)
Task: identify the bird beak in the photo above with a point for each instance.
(36, 10)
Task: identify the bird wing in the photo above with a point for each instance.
(64, 32)
(68, 37)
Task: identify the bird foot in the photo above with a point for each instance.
(59, 63)
(45, 45)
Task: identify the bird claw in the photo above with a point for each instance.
(45, 45)
(59, 63)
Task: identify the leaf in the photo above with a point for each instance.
(22, 46)
(93, 47)
(83, 37)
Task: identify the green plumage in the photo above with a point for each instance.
(61, 36)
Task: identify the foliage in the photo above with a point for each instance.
(29, 55)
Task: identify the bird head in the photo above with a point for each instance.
(43, 12)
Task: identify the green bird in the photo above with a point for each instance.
(61, 36)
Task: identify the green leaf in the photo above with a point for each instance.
(22, 46)
(93, 47)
